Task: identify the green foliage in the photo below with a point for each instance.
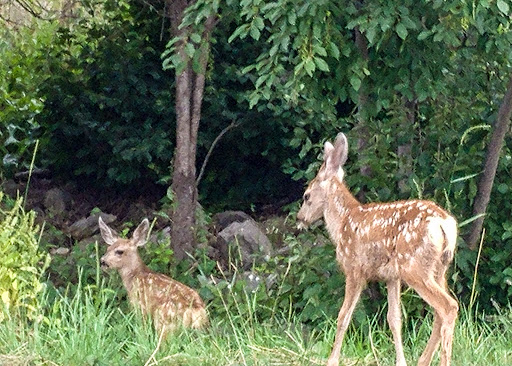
(305, 283)
(108, 116)
(194, 40)
(88, 327)
(82, 262)
(21, 71)
(108, 112)
(494, 282)
(22, 262)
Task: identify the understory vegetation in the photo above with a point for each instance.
(288, 322)
(89, 328)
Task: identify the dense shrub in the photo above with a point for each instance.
(21, 71)
(22, 262)
(108, 115)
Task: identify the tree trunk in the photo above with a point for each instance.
(189, 97)
(491, 163)
(183, 178)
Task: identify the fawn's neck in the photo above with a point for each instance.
(130, 273)
(341, 205)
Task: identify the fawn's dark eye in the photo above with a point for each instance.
(119, 252)
(306, 197)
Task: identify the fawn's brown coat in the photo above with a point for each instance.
(411, 241)
(168, 302)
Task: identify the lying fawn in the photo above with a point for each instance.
(411, 241)
(168, 302)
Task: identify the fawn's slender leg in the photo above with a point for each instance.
(435, 337)
(445, 308)
(395, 319)
(433, 342)
(353, 288)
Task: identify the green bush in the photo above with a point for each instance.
(22, 53)
(108, 115)
(22, 261)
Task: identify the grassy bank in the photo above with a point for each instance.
(88, 328)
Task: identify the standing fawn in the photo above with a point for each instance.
(169, 303)
(411, 241)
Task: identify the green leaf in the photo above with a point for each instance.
(355, 81)
(309, 66)
(407, 22)
(438, 4)
(319, 50)
(255, 33)
(253, 100)
(321, 64)
(261, 80)
(352, 24)
(503, 6)
(171, 43)
(503, 188)
(273, 50)
(240, 32)
(401, 31)
(439, 36)
(423, 35)
(175, 61)
(195, 37)
(370, 34)
(346, 50)
(334, 50)
(292, 18)
(258, 22)
(190, 50)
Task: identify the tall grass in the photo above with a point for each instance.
(87, 328)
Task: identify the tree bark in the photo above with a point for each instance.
(491, 163)
(189, 96)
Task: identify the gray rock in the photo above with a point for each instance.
(244, 243)
(11, 188)
(86, 245)
(57, 201)
(85, 228)
(222, 220)
(60, 251)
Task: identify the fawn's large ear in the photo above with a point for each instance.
(341, 149)
(107, 233)
(327, 167)
(139, 237)
(335, 156)
(328, 150)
